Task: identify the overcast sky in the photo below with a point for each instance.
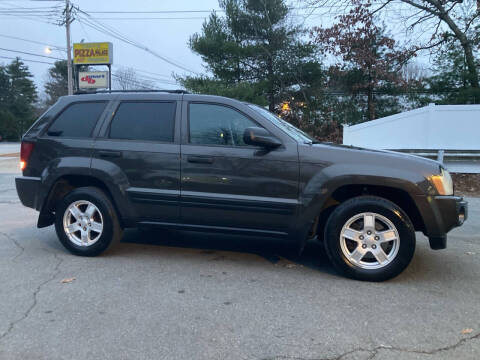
(167, 34)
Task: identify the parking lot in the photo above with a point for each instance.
(178, 295)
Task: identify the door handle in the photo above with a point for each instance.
(200, 159)
(110, 154)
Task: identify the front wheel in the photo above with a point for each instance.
(86, 222)
(369, 238)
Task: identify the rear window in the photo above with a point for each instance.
(147, 121)
(77, 120)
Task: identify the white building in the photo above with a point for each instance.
(449, 133)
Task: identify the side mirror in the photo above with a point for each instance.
(260, 137)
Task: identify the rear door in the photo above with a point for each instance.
(140, 149)
(66, 145)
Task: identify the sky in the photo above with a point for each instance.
(166, 33)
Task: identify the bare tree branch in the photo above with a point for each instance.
(128, 79)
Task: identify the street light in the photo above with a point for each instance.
(47, 50)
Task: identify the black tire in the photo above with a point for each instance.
(369, 204)
(111, 232)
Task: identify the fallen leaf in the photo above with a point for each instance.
(466, 331)
(469, 253)
(68, 280)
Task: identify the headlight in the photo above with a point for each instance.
(443, 182)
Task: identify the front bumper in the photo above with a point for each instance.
(28, 191)
(448, 212)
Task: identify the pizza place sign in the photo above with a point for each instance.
(100, 53)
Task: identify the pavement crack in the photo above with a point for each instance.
(26, 314)
(16, 243)
(374, 352)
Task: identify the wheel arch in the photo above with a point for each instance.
(66, 183)
(398, 196)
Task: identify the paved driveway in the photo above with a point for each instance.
(159, 295)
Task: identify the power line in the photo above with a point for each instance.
(153, 18)
(27, 13)
(195, 17)
(33, 0)
(154, 77)
(156, 12)
(32, 54)
(133, 82)
(168, 80)
(97, 25)
(92, 22)
(30, 17)
(28, 60)
(198, 11)
(32, 41)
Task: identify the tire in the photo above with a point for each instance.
(362, 251)
(86, 237)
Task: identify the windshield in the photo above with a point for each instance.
(298, 134)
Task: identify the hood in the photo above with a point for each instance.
(329, 153)
(386, 152)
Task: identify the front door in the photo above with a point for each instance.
(227, 183)
(141, 148)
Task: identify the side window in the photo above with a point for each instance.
(77, 120)
(148, 121)
(211, 124)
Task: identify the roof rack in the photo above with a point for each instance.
(175, 91)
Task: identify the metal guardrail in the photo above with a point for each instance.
(458, 161)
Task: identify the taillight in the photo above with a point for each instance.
(26, 150)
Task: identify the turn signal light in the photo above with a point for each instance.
(443, 182)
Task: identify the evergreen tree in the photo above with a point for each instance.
(254, 43)
(450, 83)
(57, 85)
(17, 99)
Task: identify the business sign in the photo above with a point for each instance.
(92, 53)
(93, 79)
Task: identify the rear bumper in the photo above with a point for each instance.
(442, 214)
(28, 191)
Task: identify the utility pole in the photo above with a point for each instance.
(69, 49)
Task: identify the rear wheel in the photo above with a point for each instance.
(369, 238)
(86, 222)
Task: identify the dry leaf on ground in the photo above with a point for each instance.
(67, 280)
(466, 331)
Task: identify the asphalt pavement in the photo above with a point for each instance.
(179, 295)
(8, 149)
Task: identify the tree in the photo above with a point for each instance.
(57, 83)
(17, 99)
(452, 19)
(128, 79)
(450, 81)
(440, 20)
(254, 43)
(241, 90)
(370, 60)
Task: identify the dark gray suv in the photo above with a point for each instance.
(98, 163)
